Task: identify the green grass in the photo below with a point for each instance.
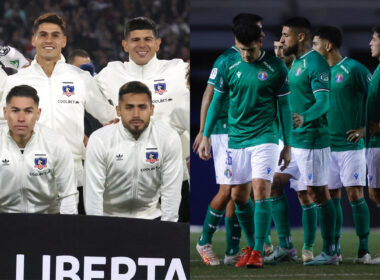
(289, 270)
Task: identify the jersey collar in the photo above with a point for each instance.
(341, 61)
(143, 70)
(305, 54)
(128, 135)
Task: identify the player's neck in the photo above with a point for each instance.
(47, 65)
(302, 50)
(333, 58)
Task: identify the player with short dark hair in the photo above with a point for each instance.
(46, 166)
(309, 84)
(348, 87)
(252, 131)
(134, 167)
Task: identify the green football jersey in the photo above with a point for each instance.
(309, 74)
(253, 89)
(373, 106)
(221, 126)
(348, 89)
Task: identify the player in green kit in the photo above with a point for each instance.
(255, 82)
(309, 85)
(222, 202)
(348, 90)
(373, 131)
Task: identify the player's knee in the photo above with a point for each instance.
(304, 198)
(276, 188)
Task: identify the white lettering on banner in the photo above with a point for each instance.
(175, 266)
(46, 267)
(60, 273)
(90, 274)
(151, 263)
(115, 268)
(20, 261)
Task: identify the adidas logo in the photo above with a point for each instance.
(119, 157)
(5, 162)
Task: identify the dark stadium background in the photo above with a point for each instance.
(97, 25)
(210, 24)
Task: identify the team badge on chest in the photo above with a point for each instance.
(40, 163)
(160, 88)
(338, 78)
(151, 157)
(68, 90)
(298, 72)
(263, 75)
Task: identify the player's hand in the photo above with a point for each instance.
(111, 122)
(297, 120)
(354, 135)
(204, 148)
(197, 141)
(285, 157)
(373, 128)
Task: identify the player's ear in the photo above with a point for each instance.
(329, 46)
(301, 36)
(125, 45)
(5, 112)
(38, 113)
(152, 110)
(158, 44)
(118, 110)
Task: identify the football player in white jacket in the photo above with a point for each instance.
(166, 79)
(65, 91)
(131, 164)
(36, 167)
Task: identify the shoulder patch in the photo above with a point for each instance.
(324, 77)
(213, 74)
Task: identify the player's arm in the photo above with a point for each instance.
(95, 176)
(372, 110)
(96, 102)
(319, 75)
(362, 78)
(283, 102)
(206, 101)
(172, 175)
(65, 178)
(211, 119)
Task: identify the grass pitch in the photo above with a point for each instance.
(289, 270)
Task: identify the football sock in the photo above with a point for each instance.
(262, 220)
(245, 213)
(268, 238)
(361, 217)
(210, 224)
(280, 213)
(327, 221)
(339, 223)
(309, 225)
(233, 234)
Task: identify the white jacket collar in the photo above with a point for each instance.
(146, 69)
(36, 65)
(126, 133)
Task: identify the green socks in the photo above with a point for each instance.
(212, 220)
(262, 222)
(327, 221)
(309, 224)
(360, 213)
(245, 213)
(233, 234)
(339, 223)
(280, 213)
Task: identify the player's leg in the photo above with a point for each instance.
(233, 235)
(263, 161)
(218, 204)
(309, 222)
(334, 185)
(373, 164)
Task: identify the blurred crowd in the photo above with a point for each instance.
(97, 25)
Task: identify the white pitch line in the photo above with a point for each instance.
(303, 275)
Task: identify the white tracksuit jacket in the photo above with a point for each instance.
(126, 177)
(39, 180)
(63, 98)
(166, 79)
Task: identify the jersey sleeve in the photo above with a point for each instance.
(172, 175)
(95, 176)
(362, 78)
(218, 76)
(96, 102)
(283, 83)
(319, 74)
